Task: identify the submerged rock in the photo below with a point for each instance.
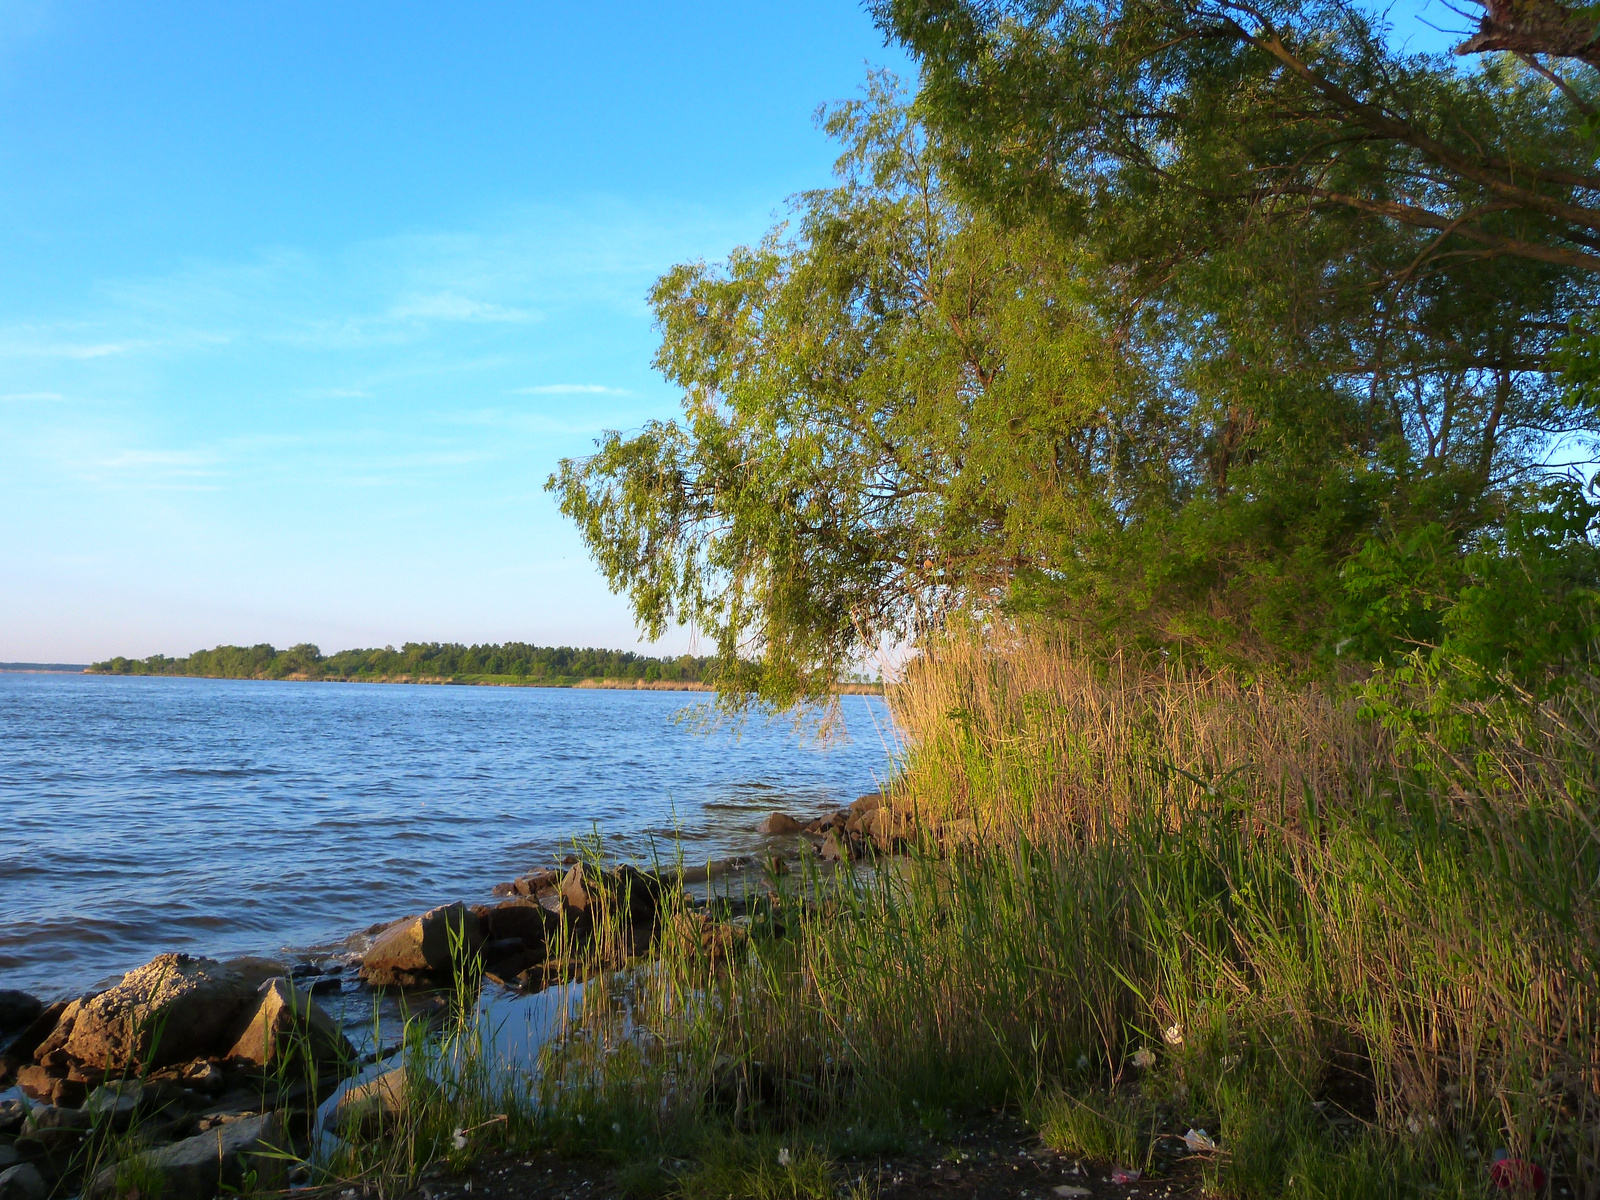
(780, 823)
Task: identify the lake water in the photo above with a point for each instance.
(229, 817)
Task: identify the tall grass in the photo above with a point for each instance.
(1197, 902)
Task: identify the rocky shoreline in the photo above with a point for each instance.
(225, 1064)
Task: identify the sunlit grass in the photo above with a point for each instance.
(1200, 904)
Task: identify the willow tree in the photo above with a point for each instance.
(1147, 313)
(894, 407)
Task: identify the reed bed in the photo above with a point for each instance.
(1365, 965)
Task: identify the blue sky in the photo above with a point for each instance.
(301, 303)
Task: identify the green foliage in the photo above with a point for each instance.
(1510, 619)
(888, 414)
(1095, 327)
(513, 662)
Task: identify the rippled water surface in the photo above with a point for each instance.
(227, 817)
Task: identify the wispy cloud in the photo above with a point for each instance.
(25, 348)
(449, 306)
(569, 389)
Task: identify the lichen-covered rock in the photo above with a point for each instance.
(423, 949)
(171, 1009)
(198, 1168)
(287, 1023)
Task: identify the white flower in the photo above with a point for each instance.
(1173, 1035)
(1144, 1058)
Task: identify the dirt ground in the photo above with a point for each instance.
(999, 1159)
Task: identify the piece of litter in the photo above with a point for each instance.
(459, 1139)
(1200, 1142)
(1067, 1189)
(1515, 1174)
(783, 1157)
(1126, 1175)
(1173, 1035)
(1144, 1058)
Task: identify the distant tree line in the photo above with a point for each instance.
(433, 660)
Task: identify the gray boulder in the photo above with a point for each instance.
(56, 1128)
(198, 1168)
(115, 1103)
(23, 1182)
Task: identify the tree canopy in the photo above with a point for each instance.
(1153, 315)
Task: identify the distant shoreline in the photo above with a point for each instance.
(21, 668)
(508, 664)
(609, 685)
